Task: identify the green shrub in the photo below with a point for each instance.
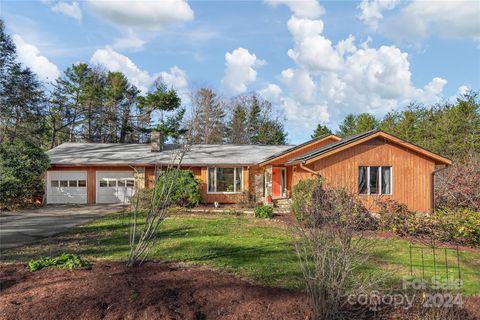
(263, 211)
(64, 261)
(22, 166)
(460, 226)
(185, 190)
(302, 196)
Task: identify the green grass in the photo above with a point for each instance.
(254, 248)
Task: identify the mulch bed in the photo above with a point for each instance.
(110, 290)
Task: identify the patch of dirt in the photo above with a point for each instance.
(110, 290)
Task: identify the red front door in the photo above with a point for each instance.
(276, 182)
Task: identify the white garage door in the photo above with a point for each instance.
(113, 187)
(66, 187)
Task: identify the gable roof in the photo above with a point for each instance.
(298, 147)
(360, 138)
(140, 154)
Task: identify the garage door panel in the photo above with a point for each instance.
(115, 187)
(66, 187)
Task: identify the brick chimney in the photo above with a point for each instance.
(156, 141)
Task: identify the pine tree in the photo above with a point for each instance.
(321, 130)
(22, 100)
(237, 126)
(354, 124)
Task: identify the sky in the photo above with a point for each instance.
(316, 61)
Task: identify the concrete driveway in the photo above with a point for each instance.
(21, 227)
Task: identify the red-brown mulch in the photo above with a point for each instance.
(110, 290)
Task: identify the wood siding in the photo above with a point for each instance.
(411, 172)
(291, 155)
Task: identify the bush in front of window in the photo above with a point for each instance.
(185, 191)
(263, 211)
(22, 166)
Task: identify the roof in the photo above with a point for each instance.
(359, 138)
(137, 154)
(332, 146)
(287, 151)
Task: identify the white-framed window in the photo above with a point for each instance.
(375, 180)
(225, 180)
(68, 183)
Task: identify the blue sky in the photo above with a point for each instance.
(315, 61)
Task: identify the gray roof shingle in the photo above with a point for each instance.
(136, 154)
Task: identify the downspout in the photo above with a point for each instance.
(433, 185)
(309, 170)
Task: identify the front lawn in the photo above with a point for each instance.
(254, 248)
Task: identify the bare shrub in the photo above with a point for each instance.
(141, 241)
(330, 247)
(459, 185)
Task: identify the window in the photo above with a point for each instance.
(63, 183)
(54, 183)
(103, 183)
(228, 180)
(374, 180)
(121, 183)
(112, 183)
(130, 182)
(72, 183)
(82, 183)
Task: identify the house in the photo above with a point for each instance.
(373, 165)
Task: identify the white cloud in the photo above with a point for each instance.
(332, 80)
(371, 10)
(69, 9)
(131, 42)
(240, 69)
(115, 61)
(29, 55)
(312, 51)
(301, 8)
(417, 19)
(177, 79)
(271, 92)
(143, 14)
(142, 79)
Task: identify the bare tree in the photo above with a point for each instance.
(330, 249)
(142, 241)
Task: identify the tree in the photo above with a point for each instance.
(261, 124)
(120, 97)
(237, 126)
(451, 129)
(271, 132)
(22, 101)
(22, 165)
(207, 124)
(354, 124)
(321, 130)
(167, 103)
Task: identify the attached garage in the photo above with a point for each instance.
(115, 187)
(67, 187)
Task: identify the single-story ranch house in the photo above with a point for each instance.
(372, 164)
